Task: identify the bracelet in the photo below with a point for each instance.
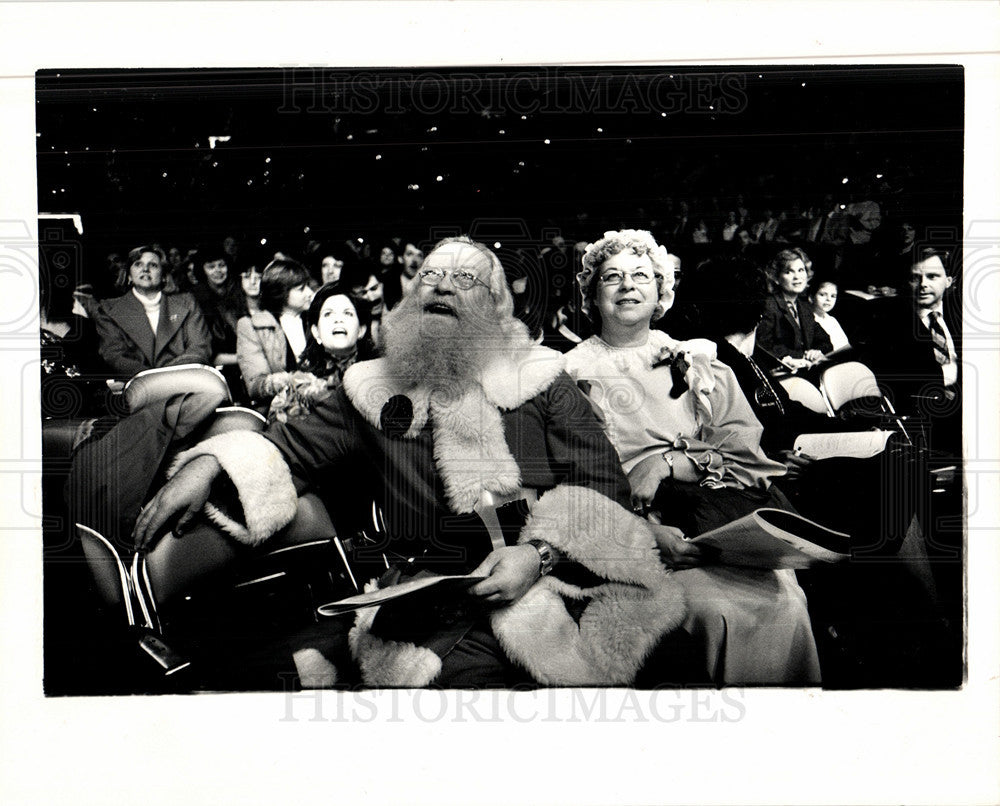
(670, 461)
(545, 557)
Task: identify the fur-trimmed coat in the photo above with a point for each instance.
(525, 424)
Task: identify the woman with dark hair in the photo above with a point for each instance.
(788, 331)
(221, 300)
(337, 322)
(269, 341)
(690, 445)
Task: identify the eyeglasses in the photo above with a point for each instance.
(616, 277)
(460, 278)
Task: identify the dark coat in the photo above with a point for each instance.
(128, 345)
(781, 336)
(901, 353)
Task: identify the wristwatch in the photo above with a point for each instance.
(545, 557)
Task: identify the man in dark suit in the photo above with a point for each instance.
(918, 352)
(145, 328)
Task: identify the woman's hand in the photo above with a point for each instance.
(812, 356)
(675, 551)
(795, 363)
(509, 572)
(795, 463)
(185, 493)
(645, 477)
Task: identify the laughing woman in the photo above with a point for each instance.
(690, 445)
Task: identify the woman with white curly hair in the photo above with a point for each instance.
(690, 445)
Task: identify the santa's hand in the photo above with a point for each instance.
(509, 573)
(675, 551)
(186, 493)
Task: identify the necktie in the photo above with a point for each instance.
(793, 309)
(939, 338)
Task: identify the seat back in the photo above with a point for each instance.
(153, 385)
(852, 380)
(801, 391)
(113, 583)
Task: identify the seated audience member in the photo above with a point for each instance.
(870, 499)
(400, 276)
(690, 446)
(788, 331)
(462, 414)
(724, 301)
(331, 264)
(269, 341)
(361, 278)
(917, 349)
(823, 300)
(337, 323)
(146, 328)
(250, 276)
(221, 299)
(72, 375)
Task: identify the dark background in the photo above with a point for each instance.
(129, 150)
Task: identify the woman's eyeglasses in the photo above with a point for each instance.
(615, 277)
(460, 278)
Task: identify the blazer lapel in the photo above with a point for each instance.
(131, 318)
(171, 318)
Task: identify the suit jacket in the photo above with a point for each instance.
(781, 336)
(902, 355)
(128, 345)
(261, 351)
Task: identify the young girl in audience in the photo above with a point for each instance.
(823, 301)
(269, 341)
(690, 446)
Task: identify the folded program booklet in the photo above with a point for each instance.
(847, 444)
(440, 584)
(774, 538)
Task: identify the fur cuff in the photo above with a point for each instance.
(625, 618)
(261, 478)
(616, 633)
(389, 664)
(598, 532)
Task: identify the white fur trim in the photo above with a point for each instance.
(261, 478)
(470, 449)
(619, 629)
(625, 618)
(389, 664)
(369, 386)
(514, 378)
(314, 670)
(598, 532)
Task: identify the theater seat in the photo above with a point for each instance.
(800, 390)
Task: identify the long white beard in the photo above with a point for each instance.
(438, 351)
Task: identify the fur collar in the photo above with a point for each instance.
(470, 450)
(509, 380)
